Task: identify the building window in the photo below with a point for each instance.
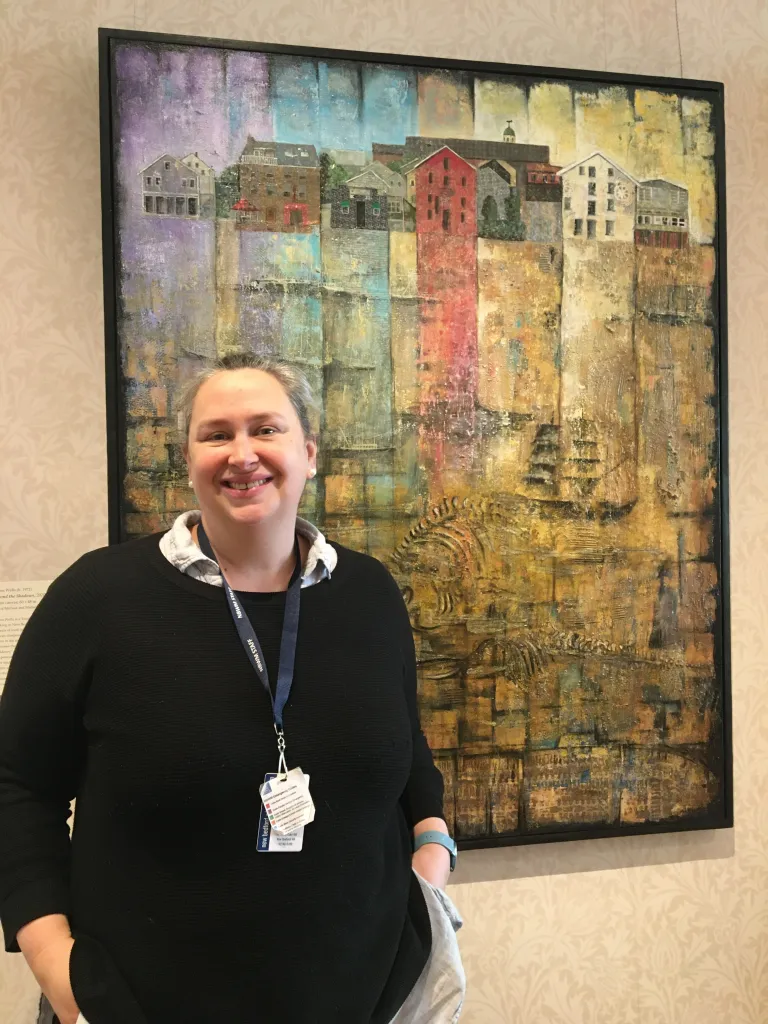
(148, 204)
(446, 163)
(463, 217)
(376, 211)
(593, 188)
(270, 216)
(437, 204)
(463, 182)
(191, 182)
(578, 226)
(192, 206)
(681, 222)
(148, 180)
(430, 178)
(302, 193)
(593, 172)
(609, 227)
(657, 220)
(591, 208)
(157, 179)
(429, 215)
(674, 222)
(611, 188)
(665, 221)
(567, 202)
(611, 205)
(446, 181)
(345, 207)
(179, 206)
(610, 172)
(160, 204)
(581, 169)
(429, 198)
(167, 165)
(591, 228)
(463, 202)
(446, 220)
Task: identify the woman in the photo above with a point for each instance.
(162, 682)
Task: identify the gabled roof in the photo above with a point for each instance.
(597, 152)
(165, 156)
(371, 169)
(663, 181)
(498, 169)
(438, 149)
(194, 156)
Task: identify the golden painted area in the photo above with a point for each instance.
(445, 105)
(496, 102)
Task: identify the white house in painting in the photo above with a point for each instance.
(599, 199)
(206, 182)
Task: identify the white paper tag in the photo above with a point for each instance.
(287, 802)
(273, 842)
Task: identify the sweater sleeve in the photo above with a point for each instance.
(42, 750)
(423, 795)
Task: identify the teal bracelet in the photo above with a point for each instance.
(441, 839)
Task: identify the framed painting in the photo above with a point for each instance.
(506, 285)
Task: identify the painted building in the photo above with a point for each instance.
(382, 179)
(662, 214)
(281, 182)
(170, 188)
(443, 188)
(364, 209)
(206, 182)
(493, 184)
(598, 200)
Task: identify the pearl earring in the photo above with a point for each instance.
(189, 482)
(312, 473)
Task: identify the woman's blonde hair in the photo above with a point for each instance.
(291, 378)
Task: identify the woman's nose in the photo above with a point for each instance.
(243, 452)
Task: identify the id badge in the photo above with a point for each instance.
(269, 840)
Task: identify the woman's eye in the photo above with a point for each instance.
(266, 431)
(218, 436)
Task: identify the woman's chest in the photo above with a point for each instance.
(186, 718)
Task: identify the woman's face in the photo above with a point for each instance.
(247, 455)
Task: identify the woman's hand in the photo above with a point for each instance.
(433, 863)
(47, 944)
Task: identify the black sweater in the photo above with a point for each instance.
(129, 689)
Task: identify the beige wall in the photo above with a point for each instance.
(668, 930)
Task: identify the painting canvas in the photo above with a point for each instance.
(506, 286)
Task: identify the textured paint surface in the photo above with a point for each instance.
(523, 430)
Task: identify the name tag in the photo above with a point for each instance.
(271, 841)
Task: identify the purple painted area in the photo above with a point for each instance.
(187, 99)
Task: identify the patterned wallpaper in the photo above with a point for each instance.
(665, 930)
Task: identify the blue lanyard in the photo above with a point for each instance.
(250, 640)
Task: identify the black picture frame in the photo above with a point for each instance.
(720, 815)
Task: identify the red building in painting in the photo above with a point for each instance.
(443, 188)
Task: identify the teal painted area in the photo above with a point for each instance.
(341, 104)
(390, 105)
(356, 261)
(295, 94)
(280, 257)
(302, 331)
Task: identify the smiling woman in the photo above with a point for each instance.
(233, 688)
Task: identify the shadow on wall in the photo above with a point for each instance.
(581, 855)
